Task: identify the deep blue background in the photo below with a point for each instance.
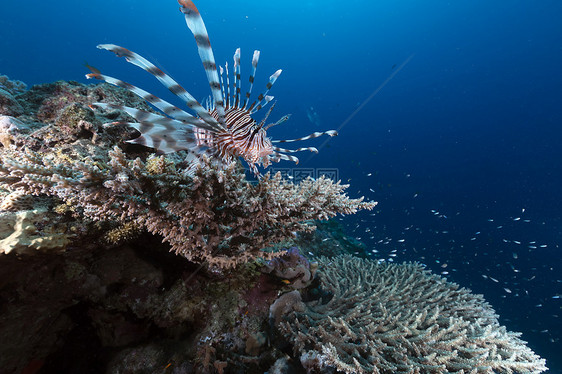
(470, 127)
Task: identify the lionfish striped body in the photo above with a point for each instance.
(224, 127)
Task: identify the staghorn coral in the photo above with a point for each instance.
(16, 201)
(210, 213)
(389, 318)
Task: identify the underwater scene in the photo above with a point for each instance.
(280, 187)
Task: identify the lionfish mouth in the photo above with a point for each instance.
(224, 127)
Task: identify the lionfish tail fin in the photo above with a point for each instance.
(197, 27)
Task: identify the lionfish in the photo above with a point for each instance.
(224, 128)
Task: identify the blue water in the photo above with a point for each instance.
(461, 147)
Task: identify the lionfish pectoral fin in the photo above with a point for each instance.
(165, 80)
(197, 26)
(91, 68)
(162, 105)
(311, 149)
(165, 138)
(281, 156)
(311, 136)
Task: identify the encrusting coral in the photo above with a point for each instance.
(19, 233)
(390, 318)
(207, 213)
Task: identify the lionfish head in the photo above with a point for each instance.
(261, 151)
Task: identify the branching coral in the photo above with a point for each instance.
(388, 318)
(210, 213)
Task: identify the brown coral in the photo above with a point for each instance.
(389, 318)
(210, 213)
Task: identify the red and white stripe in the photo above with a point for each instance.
(225, 128)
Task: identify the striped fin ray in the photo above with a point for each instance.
(283, 119)
(262, 122)
(197, 27)
(237, 82)
(281, 156)
(255, 59)
(167, 137)
(227, 86)
(311, 149)
(162, 105)
(164, 78)
(311, 136)
(262, 103)
(144, 116)
(222, 81)
(263, 98)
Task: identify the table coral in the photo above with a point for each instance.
(390, 318)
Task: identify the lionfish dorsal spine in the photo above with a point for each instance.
(227, 85)
(283, 119)
(221, 70)
(197, 26)
(263, 98)
(255, 59)
(237, 83)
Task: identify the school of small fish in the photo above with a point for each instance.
(494, 259)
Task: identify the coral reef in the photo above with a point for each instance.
(214, 215)
(9, 89)
(132, 310)
(293, 268)
(88, 285)
(206, 210)
(389, 318)
(19, 233)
